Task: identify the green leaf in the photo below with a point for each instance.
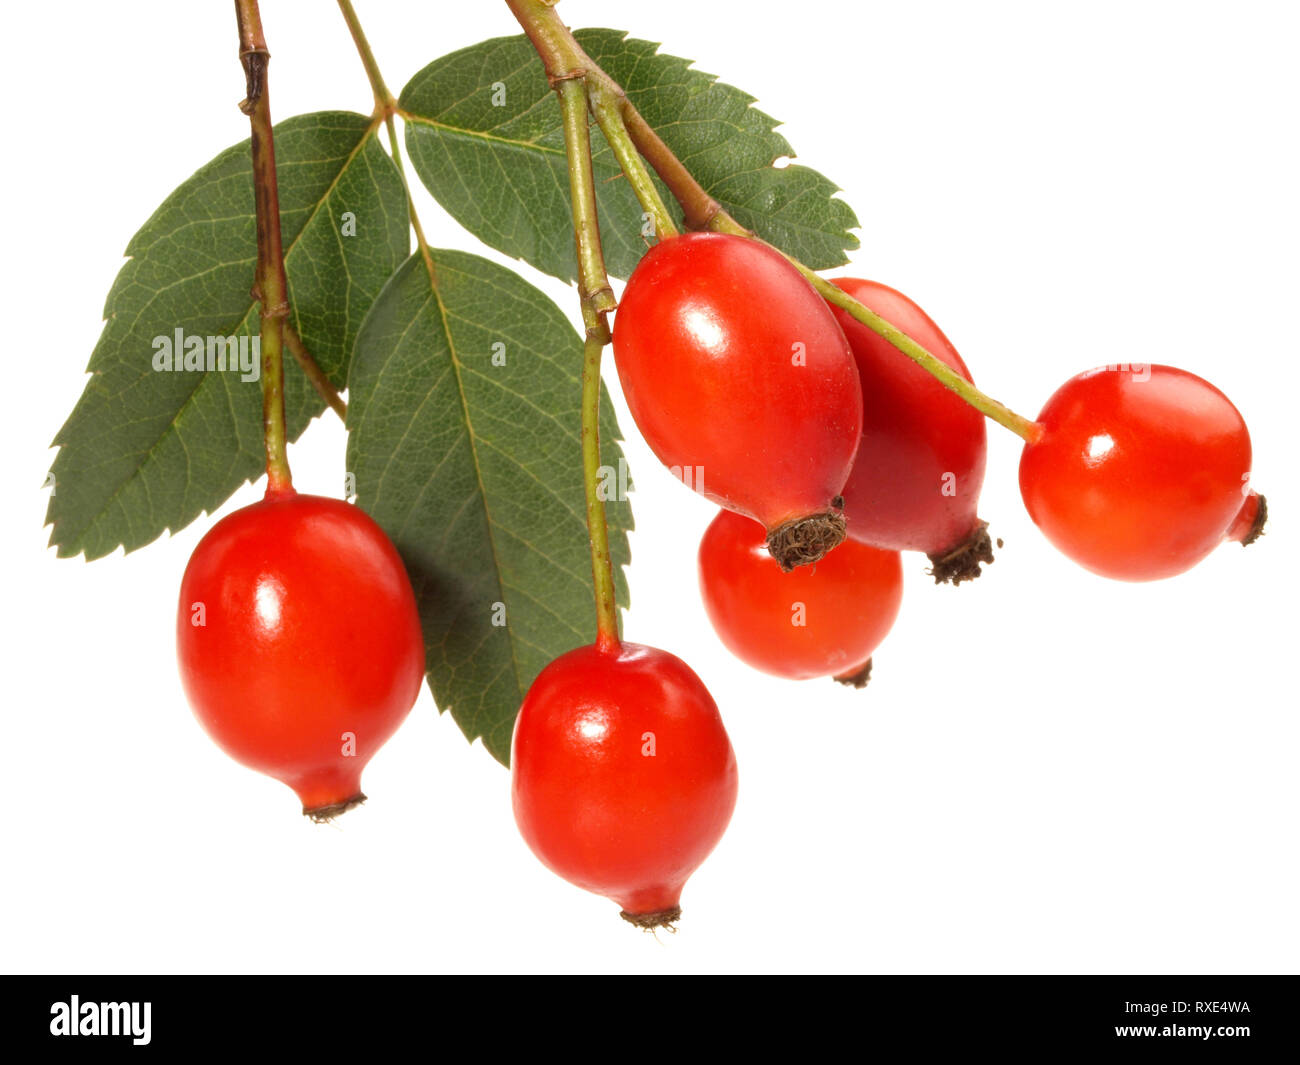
(148, 450)
(463, 419)
(484, 134)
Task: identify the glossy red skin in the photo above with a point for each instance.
(591, 805)
(1136, 480)
(914, 432)
(312, 632)
(850, 600)
(704, 343)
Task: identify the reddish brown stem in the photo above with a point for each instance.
(314, 373)
(270, 287)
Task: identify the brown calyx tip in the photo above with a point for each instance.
(323, 815)
(856, 679)
(651, 922)
(962, 561)
(804, 541)
(1256, 529)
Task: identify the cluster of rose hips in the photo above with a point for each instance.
(830, 451)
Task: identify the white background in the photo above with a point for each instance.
(1049, 772)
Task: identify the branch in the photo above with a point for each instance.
(270, 287)
(633, 136)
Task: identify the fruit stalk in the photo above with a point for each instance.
(602, 567)
(271, 286)
(593, 283)
(597, 298)
(948, 377)
(607, 104)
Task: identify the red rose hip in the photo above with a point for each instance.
(740, 380)
(622, 775)
(819, 621)
(916, 481)
(1138, 473)
(299, 643)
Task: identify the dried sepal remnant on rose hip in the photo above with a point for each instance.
(961, 563)
(623, 777)
(1138, 472)
(916, 481)
(734, 369)
(817, 621)
(299, 643)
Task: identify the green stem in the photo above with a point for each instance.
(721, 222)
(385, 101)
(940, 370)
(608, 106)
(593, 283)
(564, 58)
(597, 298)
(271, 286)
(421, 241)
(602, 565)
(386, 106)
(698, 208)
